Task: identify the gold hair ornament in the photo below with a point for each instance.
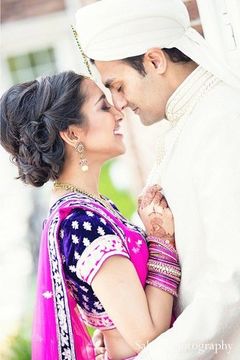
(85, 59)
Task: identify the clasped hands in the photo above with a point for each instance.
(155, 214)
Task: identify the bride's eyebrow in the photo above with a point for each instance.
(103, 96)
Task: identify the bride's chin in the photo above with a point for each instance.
(120, 151)
(123, 150)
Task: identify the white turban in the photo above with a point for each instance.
(117, 29)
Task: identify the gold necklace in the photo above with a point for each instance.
(70, 187)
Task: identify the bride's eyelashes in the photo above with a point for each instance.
(105, 106)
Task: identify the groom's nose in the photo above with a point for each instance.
(119, 101)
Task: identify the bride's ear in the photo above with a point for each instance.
(72, 135)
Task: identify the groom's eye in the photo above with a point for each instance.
(119, 89)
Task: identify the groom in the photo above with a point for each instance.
(154, 63)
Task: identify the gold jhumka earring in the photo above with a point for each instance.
(80, 148)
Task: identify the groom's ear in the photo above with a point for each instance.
(156, 58)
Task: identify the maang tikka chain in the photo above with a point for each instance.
(85, 59)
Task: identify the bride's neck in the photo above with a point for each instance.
(86, 181)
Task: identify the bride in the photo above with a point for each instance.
(95, 267)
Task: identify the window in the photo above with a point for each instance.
(27, 67)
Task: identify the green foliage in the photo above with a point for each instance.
(18, 345)
(122, 198)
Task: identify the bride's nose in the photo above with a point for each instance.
(117, 114)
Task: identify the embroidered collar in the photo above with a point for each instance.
(186, 97)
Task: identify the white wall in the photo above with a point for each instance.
(220, 20)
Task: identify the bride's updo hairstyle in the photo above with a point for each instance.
(32, 115)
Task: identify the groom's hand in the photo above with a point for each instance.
(98, 342)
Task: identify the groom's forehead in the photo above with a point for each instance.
(109, 70)
(112, 71)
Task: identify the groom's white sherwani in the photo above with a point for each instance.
(200, 176)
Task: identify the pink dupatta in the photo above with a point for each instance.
(58, 332)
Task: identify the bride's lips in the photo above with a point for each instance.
(117, 130)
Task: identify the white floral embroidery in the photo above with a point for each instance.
(87, 226)
(85, 298)
(86, 241)
(119, 246)
(90, 262)
(94, 311)
(67, 354)
(75, 239)
(89, 213)
(103, 221)
(47, 294)
(76, 255)
(100, 231)
(65, 342)
(72, 268)
(75, 225)
(107, 322)
(94, 255)
(61, 233)
(86, 306)
(84, 288)
(96, 319)
(98, 305)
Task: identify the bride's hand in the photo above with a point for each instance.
(155, 213)
(99, 347)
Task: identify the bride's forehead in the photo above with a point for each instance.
(91, 87)
(92, 91)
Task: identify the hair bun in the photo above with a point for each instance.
(32, 116)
